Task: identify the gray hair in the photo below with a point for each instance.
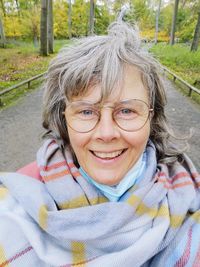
(102, 60)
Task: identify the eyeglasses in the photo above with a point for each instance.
(130, 115)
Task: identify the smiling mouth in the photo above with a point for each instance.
(108, 155)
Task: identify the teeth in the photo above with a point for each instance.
(105, 155)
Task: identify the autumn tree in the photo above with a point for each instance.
(173, 29)
(50, 26)
(43, 28)
(195, 41)
(196, 37)
(91, 24)
(80, 18)
(2, 35)
(102, 18)
(30, 21)
(69, 19)
(157, 22)
(3, 7)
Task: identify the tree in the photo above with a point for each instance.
(102, 18)
(173, 29)
(18, 8)
(69, 19)
(91, 25)
(157, 21)
(50, 26)
(43, 29)
(2, 35)
(196, 37)
(3, 7)
(80, 18)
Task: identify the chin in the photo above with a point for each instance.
(109, 181)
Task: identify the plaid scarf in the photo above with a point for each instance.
(65, 221)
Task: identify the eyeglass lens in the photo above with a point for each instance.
(129, 115)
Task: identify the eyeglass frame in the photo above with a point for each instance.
(150, 110)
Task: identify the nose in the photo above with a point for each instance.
(106, 130)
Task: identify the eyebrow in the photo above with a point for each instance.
(109, 103)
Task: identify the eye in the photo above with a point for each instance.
(86, 112)
(126, 113)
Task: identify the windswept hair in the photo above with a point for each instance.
(102, 60)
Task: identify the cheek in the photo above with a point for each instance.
(78, 142)
(138, 140)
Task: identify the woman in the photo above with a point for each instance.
(112, 189)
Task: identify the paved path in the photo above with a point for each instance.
(184, 115)
(21, 132)
(21, 129)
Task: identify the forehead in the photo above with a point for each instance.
(130, 87)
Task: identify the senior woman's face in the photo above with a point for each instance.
(108, 152)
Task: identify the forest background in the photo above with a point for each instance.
(21, 18)
(160, 24)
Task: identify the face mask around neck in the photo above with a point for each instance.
(133, 176)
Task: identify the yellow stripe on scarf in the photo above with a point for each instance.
(43, 217)
(162, 211)
(196, 216)
(176, 220)
(3, 260)
(74, 203)
(3, 193)
(81, 201)
(78, 253)
(133, 200)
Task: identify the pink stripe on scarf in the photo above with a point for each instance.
(186, 255)
(197, 258)
(53, 166)
(16, 256)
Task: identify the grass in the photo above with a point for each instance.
(181, 61)
(18, 62)
(15, 95)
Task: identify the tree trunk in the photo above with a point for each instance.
(157, 22)
(3, 8)
(172, 37)
(18, 8)
(196, 37)
(91, 26)
(50, 26)
(2, 35)
(43, 29)
(69, 19)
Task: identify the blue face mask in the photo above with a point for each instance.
(133, 176)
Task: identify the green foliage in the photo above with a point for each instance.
(24, 23)
(141, 13)
(30, 23)
(15, 95)
(80, 18)
(180, 60)
(60, 19)
(21, 61)
(102, 19)
(186, 33)
(166, 18)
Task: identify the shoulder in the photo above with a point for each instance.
(31, 170)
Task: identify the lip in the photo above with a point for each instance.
(107, 160)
